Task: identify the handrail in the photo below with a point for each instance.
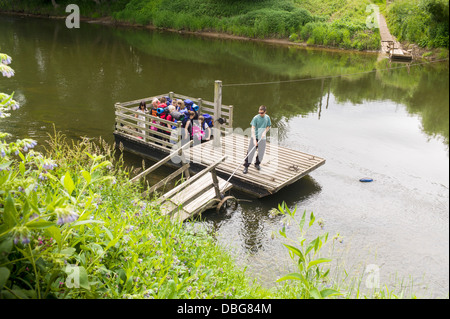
(160, 163)
(196, 177)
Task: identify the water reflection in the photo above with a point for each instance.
(77, 76)
(254, 214)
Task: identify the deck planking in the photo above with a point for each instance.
(280, 166)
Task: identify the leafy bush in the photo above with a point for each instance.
(73, 211)
(310, 278)
(425, 22)
(340, 34)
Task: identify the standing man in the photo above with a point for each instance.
(260, 125)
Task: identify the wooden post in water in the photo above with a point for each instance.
(230, 117)
(200, 102)
(217, 112)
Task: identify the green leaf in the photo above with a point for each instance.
(10, 212)
(317, 244)
(68, 183)
(4, 166)
(21, 156)
(84, 281)
(6, 246)
(92, 157)
(86, 175)
(22, 168)
(83, 222)
(296, 251)
(291, 276)
(311, 219)
(110, 235)
(318, 261)
(68, 251)
(112, 243)
(40, 224)
(105, 163)
(329, 293)
(122, 276)
(310, 246)
(302, 221)
(315, 293)
(4, 275)
(169, 291)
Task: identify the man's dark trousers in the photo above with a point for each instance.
(261, 147)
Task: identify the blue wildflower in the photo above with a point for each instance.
(6, 70)
(21, 234)
(5, 59)
(49, 165)
(65, 215)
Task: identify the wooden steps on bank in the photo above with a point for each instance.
(197, 194)
(194, 195)
(389, 44)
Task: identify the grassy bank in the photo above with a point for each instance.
(332, 23)
(74, 208)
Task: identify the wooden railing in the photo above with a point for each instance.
(182, 170)
(126, 121)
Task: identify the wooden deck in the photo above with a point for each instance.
(280, 166)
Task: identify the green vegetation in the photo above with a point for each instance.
(333, 23)
(424, 22)
(73, 207)
(72, 227)
(73, 210)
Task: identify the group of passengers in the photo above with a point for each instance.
(194, 126)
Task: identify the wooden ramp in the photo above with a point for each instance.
(280, 166)
(194, 196)
(389, 44)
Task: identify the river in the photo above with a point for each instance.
(392, 126)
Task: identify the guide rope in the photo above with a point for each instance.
(333, 76)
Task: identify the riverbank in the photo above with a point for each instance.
(417, 52)
(282, 22)
(109, 21)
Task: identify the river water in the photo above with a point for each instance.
(392, 126)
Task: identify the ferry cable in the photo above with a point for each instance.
(332, 76)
